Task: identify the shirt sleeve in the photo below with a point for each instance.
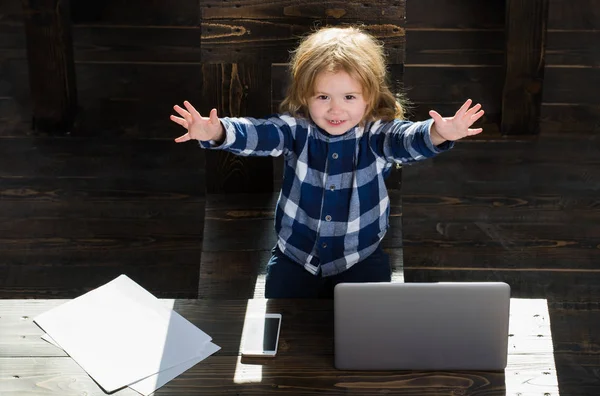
(255, 137)
(403, 141)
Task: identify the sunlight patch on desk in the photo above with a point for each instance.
(259, 286)
(250, 373)
(531, 369)
(247, 373)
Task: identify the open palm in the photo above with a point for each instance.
(458, 126)
(198, 127)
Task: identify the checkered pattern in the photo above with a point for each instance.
(333, 208)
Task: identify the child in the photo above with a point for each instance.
(340, 131)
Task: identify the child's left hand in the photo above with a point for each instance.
(457, 127)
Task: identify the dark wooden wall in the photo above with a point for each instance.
(571, 100)
(115, 195)
(454, 51)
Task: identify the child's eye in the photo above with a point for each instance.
(322, 97)
(350, 97)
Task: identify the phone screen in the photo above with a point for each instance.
(261, 334)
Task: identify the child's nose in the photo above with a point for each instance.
(334, 106)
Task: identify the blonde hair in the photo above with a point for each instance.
(348, 49)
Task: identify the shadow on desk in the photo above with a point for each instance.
(544, 355)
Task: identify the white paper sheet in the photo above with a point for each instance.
(149, 385)
(119, 334)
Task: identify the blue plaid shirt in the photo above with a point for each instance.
(333, 208)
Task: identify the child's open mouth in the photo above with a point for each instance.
(336, 122)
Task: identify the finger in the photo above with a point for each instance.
(180, 110)
(180, 121)
(464, 107)
(477, 116)
(183, 138)
(473, 109)
(436, 116)
(184, 113)
(192, 110)
(214, 119)
(474, 131)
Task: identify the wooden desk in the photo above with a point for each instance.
(304, 365)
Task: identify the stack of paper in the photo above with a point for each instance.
(122, 335)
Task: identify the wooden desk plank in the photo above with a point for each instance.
(292, 375)
(304, 365)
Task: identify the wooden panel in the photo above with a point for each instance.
(137, 13)
(306, 10)
(521, 212)
(559, 118)
(12, 40)
(134, 100)
(526, 22)
(502, 208)
(77, 210)
(572, 85)
(250, 32)
(265, 41)
(48, 158)
(50, 63)
(445, 89)
(127, 44)
(451, 14)
(550, 348)
(524, 284)
(454, 84)
(571, 102)
(574, 15)
(11, 13)
(454, 47)
(15, 104)
(578, 49)
(237, 90)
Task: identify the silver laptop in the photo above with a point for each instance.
(421, 326)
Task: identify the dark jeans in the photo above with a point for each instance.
(287, 279)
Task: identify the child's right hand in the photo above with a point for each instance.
(198, 127)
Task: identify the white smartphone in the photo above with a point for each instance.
(260, 336)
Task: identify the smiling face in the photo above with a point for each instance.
(337, 103)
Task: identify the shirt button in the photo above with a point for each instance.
(334, 155)
(332, 187)
(324, 245)
(328, 218)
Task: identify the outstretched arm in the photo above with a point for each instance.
(456, 127)
(198, 127)
(241, 136)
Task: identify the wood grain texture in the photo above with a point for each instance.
(75, 211)
(449, 14)
(559, 118)
(433, 46)
(526, 24)
(50, 53)
(574, 48)
(134, 100)
(574, 15)
(265, 41)
(137, 13)
(573, 85)
(237, 90)
(543, 347)
(526, 214)
(306, 10)
(569, 103)
(137, 44)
